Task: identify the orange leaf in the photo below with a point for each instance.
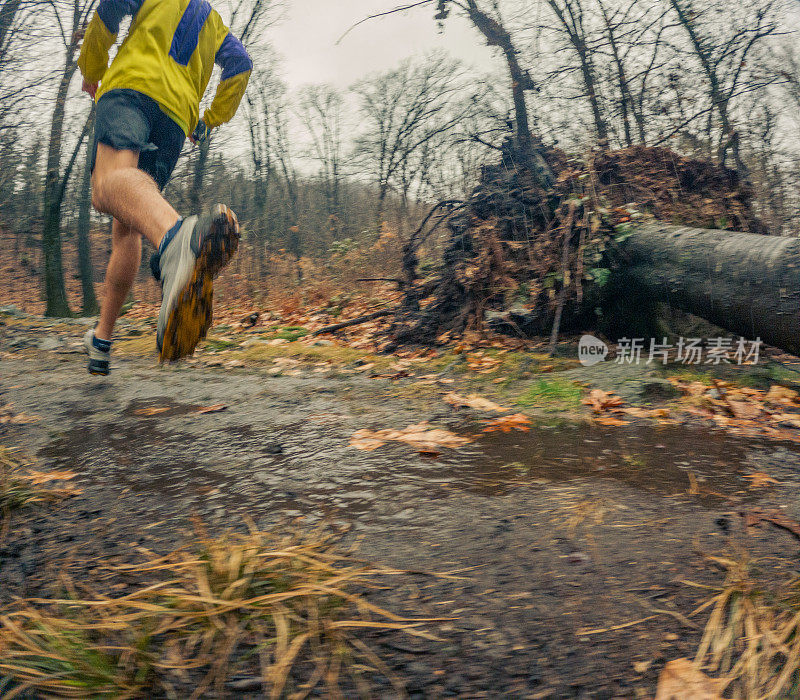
(505, 424)
(744, 409)
(151, 411)
(601, 400)
(216, 408)
(422, 436)
(609, 420)
(473, 401)
(780, 394)
(760, 479)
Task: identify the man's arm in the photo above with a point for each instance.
(100, 37)
(236, 66)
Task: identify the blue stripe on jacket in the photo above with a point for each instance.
(232, 57)
(112, 12)
(184, 42)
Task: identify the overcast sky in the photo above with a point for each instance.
(308, 34)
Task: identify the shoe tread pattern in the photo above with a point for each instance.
(190, 320)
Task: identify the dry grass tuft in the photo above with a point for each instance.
(752, 638)
(259, 612)
(20, 486)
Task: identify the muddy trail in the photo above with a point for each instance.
(574, 541)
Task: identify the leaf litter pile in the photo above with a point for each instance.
(541, 257)
(773, 413)
(275, 614)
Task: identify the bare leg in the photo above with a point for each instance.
(131, 196)
(126, 256)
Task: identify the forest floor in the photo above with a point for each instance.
(577, 531)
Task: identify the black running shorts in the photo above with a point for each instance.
(129, 120)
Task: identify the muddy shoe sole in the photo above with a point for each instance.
(189, 322)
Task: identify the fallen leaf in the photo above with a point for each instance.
(363, 440)
(505, 424)
(216, 408)
(473, 401)
(760, 479)
(680, 680)
(780, 394)
(601, 400)
(151, 411)
(744, 409)
(422, 436)
(609, 420)
(790, 419)
(639, 412)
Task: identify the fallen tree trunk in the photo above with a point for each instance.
(746, 283)
(523, 261)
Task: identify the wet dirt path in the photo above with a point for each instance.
(563, 532)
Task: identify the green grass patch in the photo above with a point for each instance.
(309, 353)
(552, 393)
(290, 333)
(217, 344)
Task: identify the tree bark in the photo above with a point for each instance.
(8, 12)
(55, 292)
(90, 305)
(746, 283)
(497, 35)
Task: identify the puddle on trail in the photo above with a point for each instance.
(655, 459)
(234, 462)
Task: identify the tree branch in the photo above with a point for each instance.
(383, 14)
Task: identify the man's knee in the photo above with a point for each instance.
(98, 193)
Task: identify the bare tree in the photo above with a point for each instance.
(259, 114)
(320, 110)
(402, 110)
(723, 49)
(90, 306)
(8, 13)
(290, 180)
(71, 22)
(490, 24)
(249, 20)
(572, 20)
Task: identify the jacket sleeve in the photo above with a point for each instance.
(236, 66)
(101, 35)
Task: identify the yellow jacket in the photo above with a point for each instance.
(169, 53)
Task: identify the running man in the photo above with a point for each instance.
(147, 103)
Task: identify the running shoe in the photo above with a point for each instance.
(186, 269)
